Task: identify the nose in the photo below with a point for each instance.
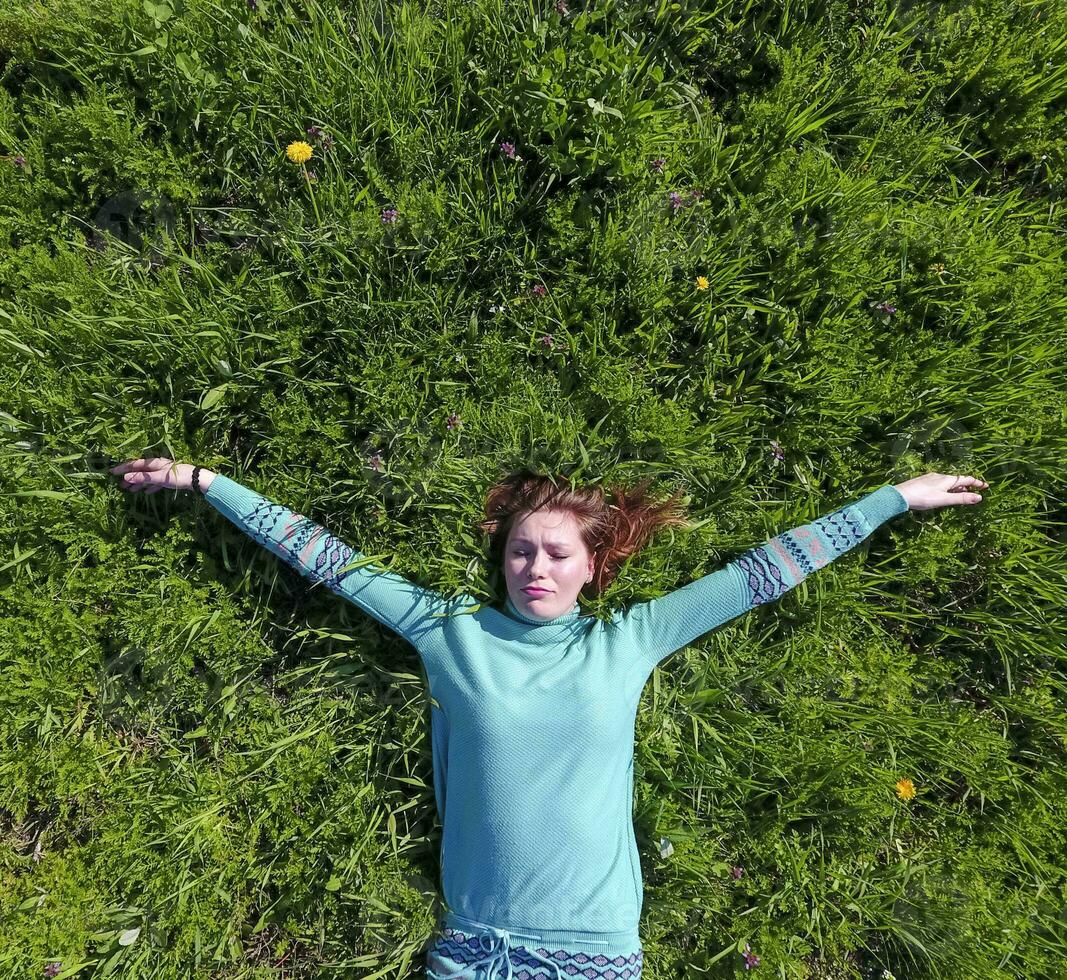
(537, 569)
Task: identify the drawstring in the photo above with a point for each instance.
(496, 956)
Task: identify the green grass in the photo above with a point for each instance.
(198, 746)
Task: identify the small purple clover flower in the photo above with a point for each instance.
(539, 290)
(678, 202)
(737, 872)
(454, 421)
(751, 959)
(325, 139)
(53, 969)
(20, 161)
(885, 307)
(658, 164)
(253, 5)
(375, 462)
(547, 341)
(508, 149)
(389, 216)
(776, 450)
(561, 7)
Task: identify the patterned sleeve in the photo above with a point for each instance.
(658, 627)
(316, 554)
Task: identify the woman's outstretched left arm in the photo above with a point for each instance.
(763, 574)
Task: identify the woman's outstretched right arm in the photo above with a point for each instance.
(308, 547)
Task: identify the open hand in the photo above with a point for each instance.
(153, 475)
(938, 490)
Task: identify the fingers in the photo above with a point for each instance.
(143, 465)
(143, 475)
(141, 483)
(967, 498)
(132, 475)
(961, 483)
(128, 466)
(956, 495)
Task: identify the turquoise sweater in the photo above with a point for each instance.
(533, 728)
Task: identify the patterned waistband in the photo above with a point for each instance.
(620, 949)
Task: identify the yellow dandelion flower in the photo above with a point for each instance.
(702, 282)
(905, 789)
(299, 152)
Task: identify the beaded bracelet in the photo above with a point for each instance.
(196, 479)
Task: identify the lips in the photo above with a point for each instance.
(536, 591)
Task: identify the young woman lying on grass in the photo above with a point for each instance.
(533, 730)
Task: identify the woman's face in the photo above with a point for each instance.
(545, 549)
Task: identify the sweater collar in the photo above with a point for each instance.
(566, 617)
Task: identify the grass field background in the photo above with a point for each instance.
(778, 254)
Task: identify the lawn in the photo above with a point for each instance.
(362, 258)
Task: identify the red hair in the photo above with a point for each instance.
(611, 531)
